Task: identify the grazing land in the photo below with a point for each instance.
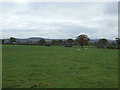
(26, 66)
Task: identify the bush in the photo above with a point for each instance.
(111, 47)
(67, 45)
(47, 44)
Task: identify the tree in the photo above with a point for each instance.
(12, 40)
(64, 43)
(42, 42)
(70, 41)
(3, 41)
(82, 39)
(18, 42)
(29, 42)
(59, 41)
(54, 42)
(118, 42)
(102, 43)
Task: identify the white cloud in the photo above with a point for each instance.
(59, 20)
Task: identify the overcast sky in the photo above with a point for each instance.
(59, 20)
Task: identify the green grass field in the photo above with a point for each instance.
(59, 67)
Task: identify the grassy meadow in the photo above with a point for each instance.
(27, 66)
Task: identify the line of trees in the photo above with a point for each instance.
(80, 40)
(103, 43)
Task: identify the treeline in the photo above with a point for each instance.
(41, 42)
(81, 40)
(103, 43)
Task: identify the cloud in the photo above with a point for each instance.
(59, 20)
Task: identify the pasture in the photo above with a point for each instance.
(27, 66)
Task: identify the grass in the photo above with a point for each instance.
(59, 67)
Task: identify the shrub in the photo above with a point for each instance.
(47, 44)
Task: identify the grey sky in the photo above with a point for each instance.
(59, 20)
